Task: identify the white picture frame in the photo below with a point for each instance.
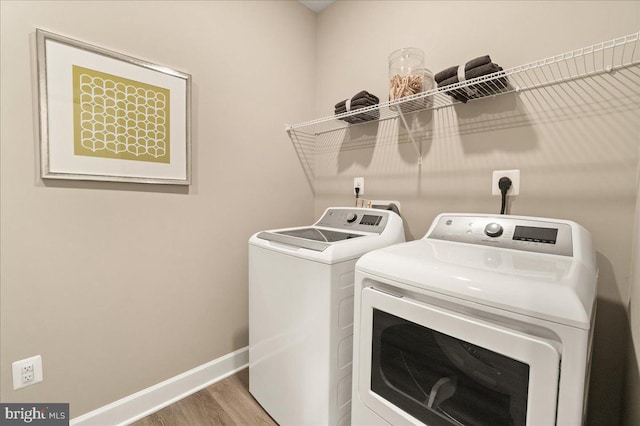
(105, 116)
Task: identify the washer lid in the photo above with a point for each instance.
(556, 288)
(310, 238)
(335, 237)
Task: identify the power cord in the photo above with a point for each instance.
(504, 184)
(357, 189)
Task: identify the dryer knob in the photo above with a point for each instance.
(493, 229)
(351, 217)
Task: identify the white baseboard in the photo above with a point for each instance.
(140, 404)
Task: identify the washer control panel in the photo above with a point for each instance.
(367, 220)
(542, 236)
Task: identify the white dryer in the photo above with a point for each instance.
(301, 312)
(487, 320)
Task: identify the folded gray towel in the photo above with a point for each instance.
(364, 93)
(477, 90)
(360, 98)
(472, 73)
(452, 71)
(361, 118)
(362, 102)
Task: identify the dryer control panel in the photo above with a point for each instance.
(542, 236)
(357, 219)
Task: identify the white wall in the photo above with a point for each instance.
(121, 286)
(576, 145)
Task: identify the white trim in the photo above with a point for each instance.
(147, 401)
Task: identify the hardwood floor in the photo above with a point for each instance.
(227, 402)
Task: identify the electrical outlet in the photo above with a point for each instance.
(27, 372)
(514, 175)
(358, 183)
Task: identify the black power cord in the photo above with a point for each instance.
(357, 189)
(504, 184)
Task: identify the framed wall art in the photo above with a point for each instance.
(106, 116)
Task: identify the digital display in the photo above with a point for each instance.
(369, 219)
(536, 235)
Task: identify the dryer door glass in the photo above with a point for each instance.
(420, 362)
(439, 379)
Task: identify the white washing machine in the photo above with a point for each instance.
(487, 320)
(301, 312)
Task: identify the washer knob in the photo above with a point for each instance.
(493, 229)
(351, 217)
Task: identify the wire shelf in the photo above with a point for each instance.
(600, 58)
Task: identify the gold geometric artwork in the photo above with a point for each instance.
(115, 117)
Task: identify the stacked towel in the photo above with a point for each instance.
(360, 100)
(474, 68)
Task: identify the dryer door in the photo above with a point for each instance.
(422, 363)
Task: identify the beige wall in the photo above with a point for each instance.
(121, 286)
(631, 409)
(576, 145)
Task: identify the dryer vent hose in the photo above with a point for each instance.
(391, 207)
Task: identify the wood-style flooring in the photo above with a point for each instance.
(227, 402)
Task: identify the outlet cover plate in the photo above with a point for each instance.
(358, 183)
(19, 368)
(514, 175)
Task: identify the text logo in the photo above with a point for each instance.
(55, 414)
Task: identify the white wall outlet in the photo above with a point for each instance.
(27, 372)
(358, 183)
(514, 175)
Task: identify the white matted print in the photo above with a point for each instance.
(107, 116)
